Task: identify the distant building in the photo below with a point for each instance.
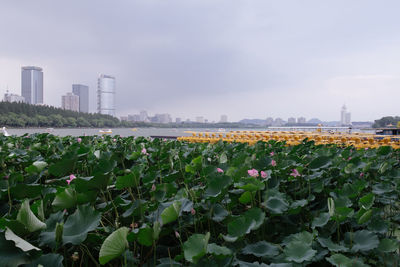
(83, 92)
(278, 122)
(345, 117)
(124, 118)
(143, 116)
(301, 120)
(200, 119)
(269, 121)
(70, 102)
(224, 118)
(32, 84)
(178, 120)
(162, 118)
(291, 120)
(134, 118)
(106, 95)
(13, 97)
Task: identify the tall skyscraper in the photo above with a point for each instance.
(70, 102)
(32, 84)
(345, 117)
(83, 92)
(106, 95)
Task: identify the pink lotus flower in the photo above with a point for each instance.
(114, 140)
(273, 163)
(79, 140)
(220, 170)
(349, 158)
(71, 178)
(366, 148)
(361, 175)
(253, 173)
(193, 211)
(144, 151)
(272, 154)
(177, 235)
(153, 187)
(295, 173)
(264, 174)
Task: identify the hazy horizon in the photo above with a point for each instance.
(245, 59)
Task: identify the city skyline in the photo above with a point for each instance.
(244, 59)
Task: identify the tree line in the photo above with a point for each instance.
(386, 121)
(13, 114)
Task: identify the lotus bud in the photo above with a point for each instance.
(59, 232)
(331, 206)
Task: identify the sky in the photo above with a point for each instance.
(189, 58)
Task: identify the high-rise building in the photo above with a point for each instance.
(224, 118)
(32, 84)
(106, 95)
(13, 97)
(70, 102)
(301, 120)
(83, 92)
(200, 119)
(291, 120)
(143, 115)
(345, 117)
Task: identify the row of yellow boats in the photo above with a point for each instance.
(358, 140)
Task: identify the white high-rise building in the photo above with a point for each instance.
(32, 84)
(224, 118)
(8, 97)
(106, 95)
(345, 117)
(83, 92)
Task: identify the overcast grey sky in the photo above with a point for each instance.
(246, 59)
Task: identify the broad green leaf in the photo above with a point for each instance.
(246, 197)
(129, 180)
(65, 199)
(365, 216)
(327, 243)
(195, 247)
(219, 213)
(77, 225)
(364, 240)
(53, 260)
(367, 201)
(242, 225)
(27, 218)
(218, 251)
(10, 255)
(217, 184)
(321, 220)
(388, 245)
(40, 165)
(171, 213)
(299, 252)
(156, 230)
(304, 237)
(145, 236)
(261, 249)
(48, 236)
(340, 260)
(19, 242)
(114, 245)
(223, 158)
(320, 162)
(276, 205)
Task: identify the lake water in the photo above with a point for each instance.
(119, 131)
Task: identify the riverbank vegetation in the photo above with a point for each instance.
(103, 200)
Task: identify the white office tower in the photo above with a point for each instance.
(32, 84)
(224, 118)
(70, 102)
(345, 117)
(106, 95)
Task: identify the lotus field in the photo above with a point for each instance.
(114, 201)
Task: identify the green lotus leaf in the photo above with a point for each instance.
(171, 213)
(129, 180)
(364, 240)
(388, 245)
(65, 166)
(339, 260)
(53, 260)
(114, 245)
(65, 199)
(19, 242)
(48, 236)
(320, 162)
(218, 251)
(299, 252)
(364, 216)
(223, 158)
(321, 220)
(276, 205)
(195, 247)
(219, 213)
(40, 165)
(27, 218)
(261, 249)
(304, 237)
(145, 236)
(77, 225)
(246, 197)
(216, 185)
(22, 191)
(242, 225)
(10, 255)
(367, 201)
(327, 243)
